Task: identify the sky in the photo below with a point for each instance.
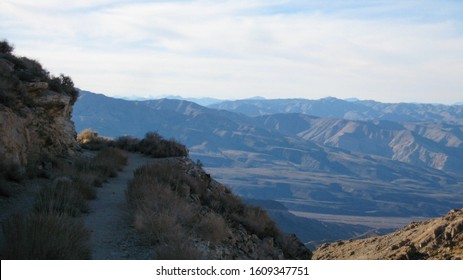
(389, 51)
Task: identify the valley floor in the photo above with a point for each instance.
(373, 222)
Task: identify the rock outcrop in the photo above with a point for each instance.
(440, 238)
(35, 113)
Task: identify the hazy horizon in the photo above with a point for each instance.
(143, 98)
(388, 51)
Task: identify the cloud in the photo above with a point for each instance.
(390, 51)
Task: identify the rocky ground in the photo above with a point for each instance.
(440, 238)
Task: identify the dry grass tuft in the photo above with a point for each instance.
(92, 172)
(46, 236)
(212, 227)
(63, 197)
(257, 221)
(158, 228)
(110, 157)
(106, 163)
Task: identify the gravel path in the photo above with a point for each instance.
(112, 233)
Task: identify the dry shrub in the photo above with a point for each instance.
(162, 212)
(156, 146)
(257, 221)
(85, 171)
(96, 170)
(153, 195)
(89, 139)
(84, 174)
(62, 197)
(87, 135)
(158, 228)
(212, 227)
(112, 156)
(153, 144)
(45, 236)
(109, 161)
(157, 207)
(170, 175)
(86, 187)
(127, 143)
(254, 219)
(226, 203)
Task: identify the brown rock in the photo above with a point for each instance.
(44, 128)
(37, 86)
(440, 238)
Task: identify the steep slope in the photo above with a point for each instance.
(440, 238)
(311, 230)
(182, 213)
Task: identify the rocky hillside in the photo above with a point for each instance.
(440, 238)
(185, 214)
(35, 112)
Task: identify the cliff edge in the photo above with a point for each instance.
(35, 113)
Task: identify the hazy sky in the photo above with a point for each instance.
(394, 51)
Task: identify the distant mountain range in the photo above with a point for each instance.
(203, 101)
(351, 110)
(360, 158)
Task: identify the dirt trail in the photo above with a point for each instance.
(109, 221)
